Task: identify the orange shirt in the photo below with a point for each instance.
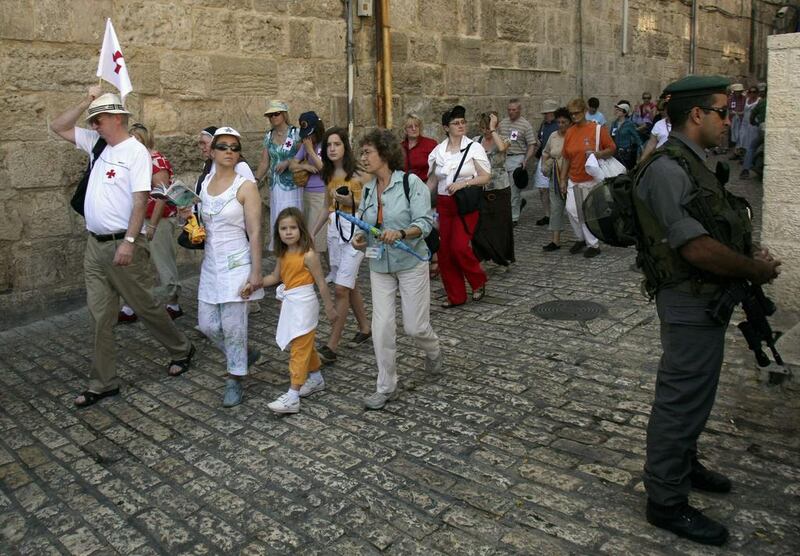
(577, 141)
(294, 272)
(354, 185)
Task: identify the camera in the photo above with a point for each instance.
(343, 190)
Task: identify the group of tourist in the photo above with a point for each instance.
(377, 203)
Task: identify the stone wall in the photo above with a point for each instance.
(781, 217)
(199, 62)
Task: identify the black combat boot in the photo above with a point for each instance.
(687, 522)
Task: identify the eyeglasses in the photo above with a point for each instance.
(274, 114)
(226, 147)
(367, 152)
(722, 112)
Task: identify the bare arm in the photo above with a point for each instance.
(708, 254)
(433, 181)
(124, 254)
(313, 265)
(263, 165)
(529, 154)
(251, 201)
(64, 124)
(649, 147)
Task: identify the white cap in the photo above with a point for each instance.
(225, 130)
(624, 106)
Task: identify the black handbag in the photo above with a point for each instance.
(468, 199)
(79, 197)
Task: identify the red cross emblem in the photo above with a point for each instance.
(117, 56)
(111, 173)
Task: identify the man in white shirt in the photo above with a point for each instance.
(593, 111)
(115, 261)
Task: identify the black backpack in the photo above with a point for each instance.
(432, 239)
(79, 197)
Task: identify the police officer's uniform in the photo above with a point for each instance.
(692, 342)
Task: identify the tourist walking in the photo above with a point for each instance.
(385, 205)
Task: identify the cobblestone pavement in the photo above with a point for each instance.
(531, 442)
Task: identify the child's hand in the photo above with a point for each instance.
(330, 312)
(246, 291)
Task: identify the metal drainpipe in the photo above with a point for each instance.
(625, 10)
(379, 100)
(348, 6)
(387, 65)
(693, 39)
(580, 48)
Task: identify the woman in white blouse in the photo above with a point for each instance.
(456, 163)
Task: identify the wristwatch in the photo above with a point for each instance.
(402, 234)
(130, 239)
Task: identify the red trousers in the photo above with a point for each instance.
(456, 259)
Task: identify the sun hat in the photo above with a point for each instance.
(549, 106)
(107, 103)
(276, 106)
(737, 88)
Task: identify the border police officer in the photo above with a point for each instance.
(693, 237)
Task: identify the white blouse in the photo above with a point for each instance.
(444, 164)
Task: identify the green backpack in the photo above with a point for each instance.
(608, 209)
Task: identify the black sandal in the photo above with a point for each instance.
(91, 398)
(478, 294)
(182, 364)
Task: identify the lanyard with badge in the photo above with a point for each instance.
(375, 252)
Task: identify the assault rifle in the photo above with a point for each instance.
(755, 304)
(755, 328)
(370, 229)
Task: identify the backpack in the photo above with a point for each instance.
(608, 209)
(79, 197)
(432, 239)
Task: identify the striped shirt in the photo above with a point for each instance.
(519, 133)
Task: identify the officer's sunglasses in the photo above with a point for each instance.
(723, 112)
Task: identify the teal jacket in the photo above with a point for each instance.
(398, 213)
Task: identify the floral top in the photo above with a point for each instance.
(497, 160)
(279, 153)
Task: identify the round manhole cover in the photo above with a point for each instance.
(569, 310)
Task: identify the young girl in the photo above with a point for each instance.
(297, 269)
(340, 172)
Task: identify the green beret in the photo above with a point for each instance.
(697, 85)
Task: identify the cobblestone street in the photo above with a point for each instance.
(530, 442)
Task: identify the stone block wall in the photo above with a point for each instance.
(781, 216)
(195, 63)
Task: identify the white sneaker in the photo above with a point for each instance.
(284, 404)
(312, 386)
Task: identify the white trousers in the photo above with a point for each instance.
(415, 301)
(574, 206)
(225, 324)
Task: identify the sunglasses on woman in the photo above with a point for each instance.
(226, 147)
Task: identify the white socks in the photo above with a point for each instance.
(294, 395)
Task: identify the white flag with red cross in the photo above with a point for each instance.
(112, 66)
